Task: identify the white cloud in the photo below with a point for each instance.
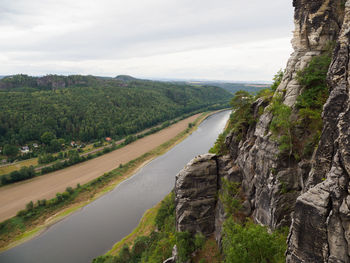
(223, 39)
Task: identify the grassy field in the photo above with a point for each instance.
(13, 167)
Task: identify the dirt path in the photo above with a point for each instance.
(14, 197)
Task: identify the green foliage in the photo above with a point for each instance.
(86, 108)
(130, 139)
(242, 115)
(166, 211)
(228, 196)
(281, 125)
(10, 150)
(265, 94)
(251, 243)
(277, 79)
(299, 137)
(185, 246)
(310, 102)
(23, 174)
(199, 241)
(315, 74)
(46, 158)
(30, 206)
(47, 137)
(70, 190)
(219, 146)
(73, 156)
(234, 87)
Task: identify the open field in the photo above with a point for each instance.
(5, 169)
(14, 197)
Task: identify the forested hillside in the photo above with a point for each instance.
(86, 108)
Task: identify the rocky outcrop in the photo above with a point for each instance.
(317, 24)
(197, 207)
(196, 195)
(310, 196)
(320, 231)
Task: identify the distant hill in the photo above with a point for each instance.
(87, 108)
(233, 87)
(125, 78)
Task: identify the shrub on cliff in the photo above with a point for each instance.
(251, 243)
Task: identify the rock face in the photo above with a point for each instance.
(196, 195)
(320, 231)
(317, 23)
(310, 196)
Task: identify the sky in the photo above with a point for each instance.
(175, 39)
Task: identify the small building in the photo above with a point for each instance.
(108, 139)
(24, 149)
(73, 144)
(35, 145)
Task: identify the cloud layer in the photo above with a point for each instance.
(223, 39)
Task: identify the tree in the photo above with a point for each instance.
(10, 150)
(55, 145)
(47, 137)
(277, 79)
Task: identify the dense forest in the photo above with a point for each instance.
(86, 108)
(232, 87)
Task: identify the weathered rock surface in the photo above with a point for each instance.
(196, 195)
(310, 196)
(198, 209)
(317, 23)
(320, 231)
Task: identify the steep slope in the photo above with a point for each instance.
(309, 193)
(320, 231)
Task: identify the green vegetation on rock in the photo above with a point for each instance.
(252, 243)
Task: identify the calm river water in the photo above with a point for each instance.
(94, 229)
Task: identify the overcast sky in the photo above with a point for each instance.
(188, 39)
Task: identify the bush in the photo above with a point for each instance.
(228, 196)
(16, 176)
(30, 206)
(129, 139)
(220, 147)
(185, 246)
(167, 209)
(251, 243)
(199, 240)
(281, 125)
(70, 190)
(310, 102)
(277, 79)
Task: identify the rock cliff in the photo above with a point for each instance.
(310, 195)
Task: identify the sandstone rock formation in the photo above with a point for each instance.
(195, 195)
(310, 196)
(320, 231)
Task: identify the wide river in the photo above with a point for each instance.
(94, 229)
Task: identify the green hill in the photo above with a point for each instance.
(86, 108)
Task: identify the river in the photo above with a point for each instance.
(94, 229)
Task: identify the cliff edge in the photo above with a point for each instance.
(284, 186)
